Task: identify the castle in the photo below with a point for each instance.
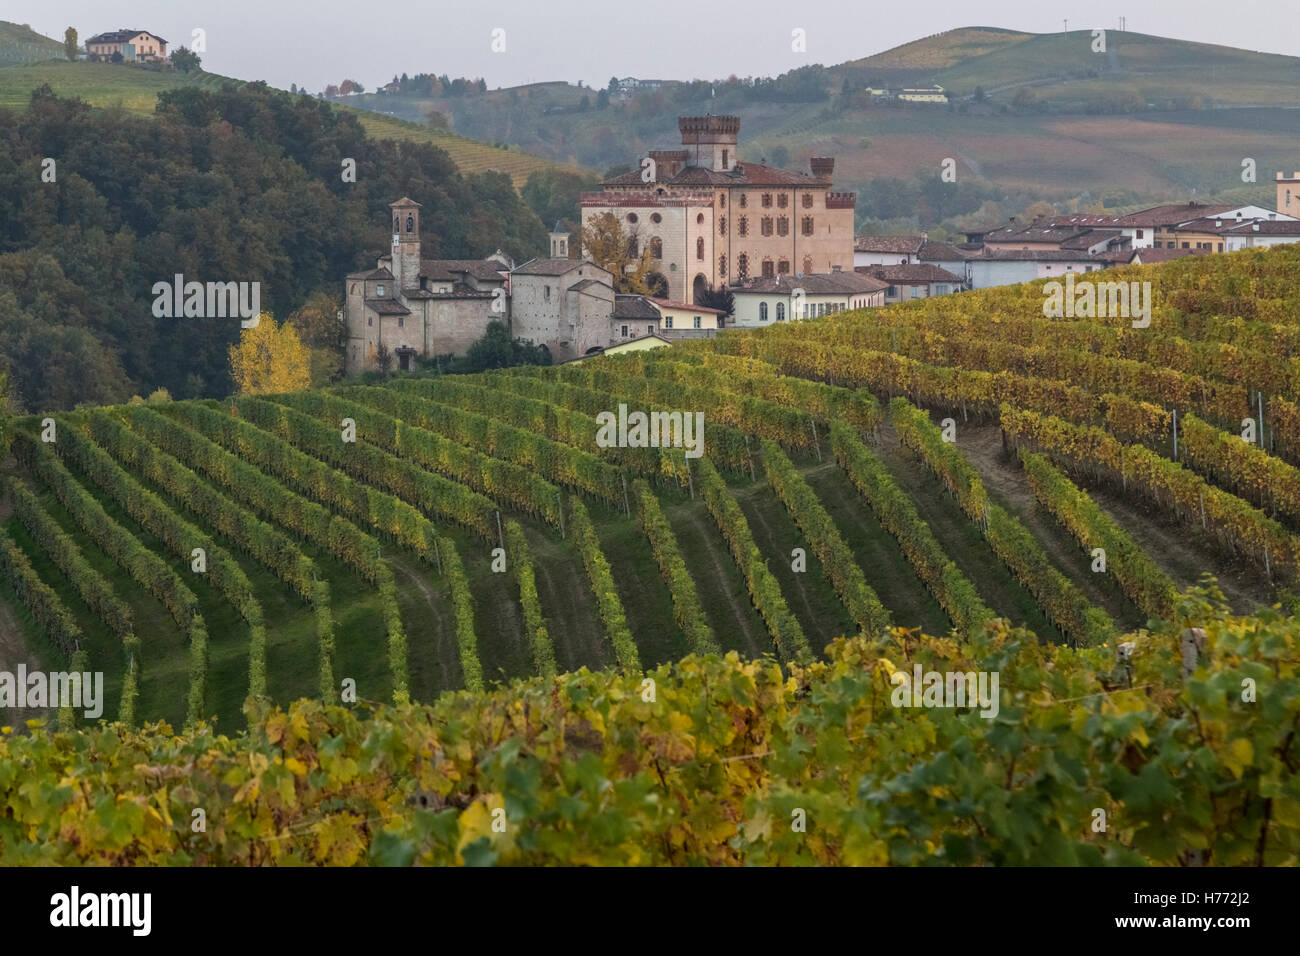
(711, 219)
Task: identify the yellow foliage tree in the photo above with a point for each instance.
(270, 358)
(605, 243)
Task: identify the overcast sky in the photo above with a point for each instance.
(311, 44)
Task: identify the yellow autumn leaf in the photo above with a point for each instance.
(297, 766)
(475, 822)
(1239, 756)
(1139, 733)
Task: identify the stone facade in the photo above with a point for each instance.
(715, 220)
(564, 304)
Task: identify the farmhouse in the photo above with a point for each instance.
(711, 219)
(128, 45)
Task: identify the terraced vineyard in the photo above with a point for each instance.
(202, 552)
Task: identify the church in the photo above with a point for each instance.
(711, 219)
(408, 306)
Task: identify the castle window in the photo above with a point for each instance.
(766, 226)
(656, 248)
(762, 312)
(742, 267)
(744, 226)
(722, 226)
(769, 270)
(767, 200)
(722, 266)
(807, 265)
(354, 288)
(744, 200)
(807, 225)
(546, 293)
(401, 321)
(780, 311)
(783, 267)
(656, 218)
(807, 200)
(782, 201)
(783, 225)
(699, 248)
(699, 219)
(410, 223)
(370, 320)
(631, 217)
(724, 159)
(722, 200)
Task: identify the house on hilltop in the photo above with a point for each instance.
(129, 45)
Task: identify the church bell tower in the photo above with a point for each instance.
(406, 243)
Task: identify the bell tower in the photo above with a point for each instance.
(406, 243)
(559, 241)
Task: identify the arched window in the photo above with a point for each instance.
(397, 224)
(762, 312)
(780, 311)
(742, 267)
(699, 219)
(783, 225)
(744, 226)
(410, 223)
(656, 248)
(699, 248)
(722, 267)
(807, 265)
(722, 226)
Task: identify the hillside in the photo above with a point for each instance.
(22, 44)
(109, 85)
(331, 566)
(1152, 119)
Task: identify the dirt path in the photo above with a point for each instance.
(446, 653)
(1171, 545)
(743, 636)
(566, 601)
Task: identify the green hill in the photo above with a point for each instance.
(22, 44)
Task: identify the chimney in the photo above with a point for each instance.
(1255, 227)
(822, 166)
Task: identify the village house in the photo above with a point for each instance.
(711, 219)
(129, 45)
(640, 315)
(918, 281)
(761, 302)
(908, 250)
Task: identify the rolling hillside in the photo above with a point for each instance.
(22, 44)
(205, 553)
(109, 85)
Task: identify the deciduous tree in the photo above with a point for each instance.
(269, 358)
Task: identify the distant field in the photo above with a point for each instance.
(109, 86)
(22, 44)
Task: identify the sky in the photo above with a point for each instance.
(325, 41)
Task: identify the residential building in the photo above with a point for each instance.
(994, 267)
(908, 250)
(130, 45)
(641, 344)
(712, 219)
(635, 316)
(762, 302)
(918, 281)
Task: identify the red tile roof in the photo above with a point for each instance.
(919, 274)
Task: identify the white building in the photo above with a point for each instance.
(761, 302)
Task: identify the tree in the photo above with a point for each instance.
(719, 299)
(602, 100)
(5, 405)
(384, 358)
(980, 95)
(605, 243)
(320, 326)
(269, 358)
(187, 61)
(613, 85)
(70, 43)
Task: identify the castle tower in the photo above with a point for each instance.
(559, 242)
(406, 243)
(710, 140)
(1288, 194)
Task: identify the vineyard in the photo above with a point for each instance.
(958, 483)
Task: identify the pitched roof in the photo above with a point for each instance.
(121, 36)
(548, 267)
(1091, 238)
(1267, 227)
(834, 283)
(380, 273)
(403, 203)
(1149, 256)
(634, 307)
(387, 307)
(485, 270)
(742, 174)
(670, 304)
(583, 284)
(932, 251)
(1040, 230)
(1040, 255)
(918, 274)
(1172, 215)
